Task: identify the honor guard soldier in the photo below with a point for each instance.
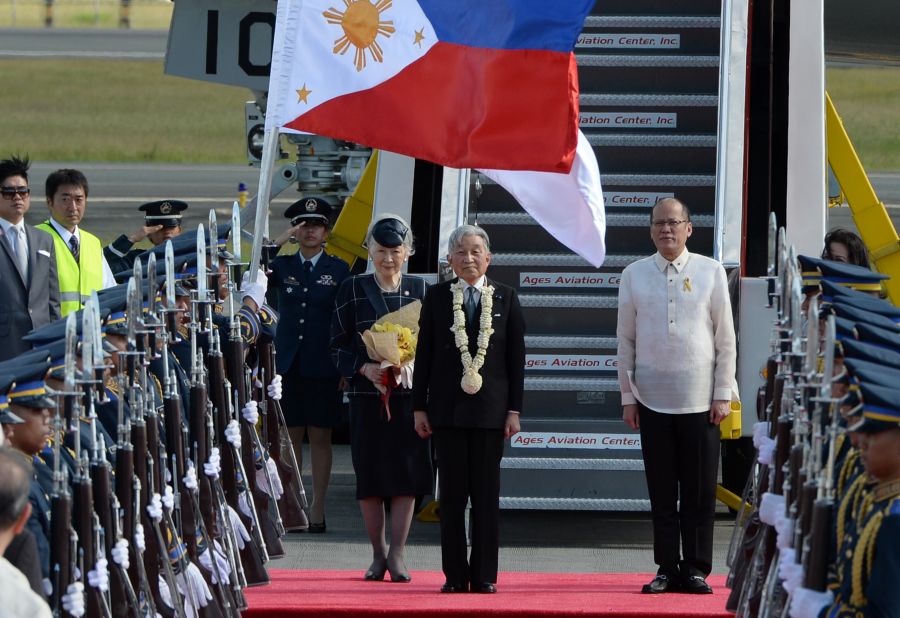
(162, 221)
(868, 561)
(28, 401)
(303, 288)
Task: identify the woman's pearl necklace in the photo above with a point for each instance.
(388, 291)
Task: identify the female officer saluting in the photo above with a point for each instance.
(303, 287)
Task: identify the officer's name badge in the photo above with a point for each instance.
(326, 280)
(687, 284)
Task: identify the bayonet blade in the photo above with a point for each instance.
(170, 276)
(87, 340)
(201, 263)
(213, 241)
(71, 350)
(99, 359)
(151, 284)
(236, 232)
(773, 240)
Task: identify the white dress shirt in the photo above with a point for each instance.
(109, 279)
(476, 294)
(677, 349)
(19, 600)
(11, 235)
(314, 259)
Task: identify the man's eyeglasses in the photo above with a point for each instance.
(10, 193)
(667, 223)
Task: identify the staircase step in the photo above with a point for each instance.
(570, 463)
(649, 73)
(537, 342)
(525, 236)
(652, 21)
(650, 34)
(569, 314)
(657, 7)
(612, 219)
(558, 260)
(631, 505)
(570, 384)
(650, 140)
(650, 114)
(647, 100)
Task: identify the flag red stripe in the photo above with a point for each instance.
(464, 107)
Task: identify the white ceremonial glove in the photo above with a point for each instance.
(256, 291)
(766, 450)
(244, 504)
(250, 412)
(194, 589)
(241, 535)
(806, 603)
(406, 374)
(212, 467)
(262, 479)
(99, 577)
(139, 537)
(154, 509)
(769, 507)
(789, 572)
(73, 600)
(785, 528)
(190, 478)
(120, 554)
(222, 567)
(233, 433)
(760, 431)
(274, 389)
(168, 498)
(46, 585)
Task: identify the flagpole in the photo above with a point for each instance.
(261, 222)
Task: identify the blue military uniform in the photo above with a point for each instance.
(120, 253)
(303, 292)
(868, 560)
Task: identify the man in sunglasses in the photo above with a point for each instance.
(29, 287)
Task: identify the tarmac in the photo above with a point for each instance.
(530, 540)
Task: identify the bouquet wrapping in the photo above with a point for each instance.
(391, 342)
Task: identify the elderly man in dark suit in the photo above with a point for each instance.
(29, 286)
(467, 390)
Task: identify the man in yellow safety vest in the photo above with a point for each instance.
(79, 256)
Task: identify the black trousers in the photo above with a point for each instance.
(469, 467)
(681, 462)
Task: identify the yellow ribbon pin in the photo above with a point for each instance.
(687, 284)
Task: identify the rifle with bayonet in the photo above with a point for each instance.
(62, 557)
(253, 554)
(254, 454)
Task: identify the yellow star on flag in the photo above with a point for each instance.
(303, 94)
(420, 36)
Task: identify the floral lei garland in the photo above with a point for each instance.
(471, 380)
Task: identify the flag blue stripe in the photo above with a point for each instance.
(551, 25)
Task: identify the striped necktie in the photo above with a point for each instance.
(73, 244)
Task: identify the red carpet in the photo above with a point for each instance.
(345, 594)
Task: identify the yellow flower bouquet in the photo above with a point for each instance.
(391, 342)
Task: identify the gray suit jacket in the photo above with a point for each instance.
(25, 305)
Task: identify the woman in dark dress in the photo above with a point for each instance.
(390, 460)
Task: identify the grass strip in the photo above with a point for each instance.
(118, 111)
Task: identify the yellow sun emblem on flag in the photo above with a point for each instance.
(361, 22)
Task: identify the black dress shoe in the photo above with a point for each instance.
(660, 584)
(453, 588)
(695, 584)
(484, 588)
(376, 570)
(316, 528)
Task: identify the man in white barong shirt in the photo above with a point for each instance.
(676, 364)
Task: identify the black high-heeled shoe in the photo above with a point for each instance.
(376, 570)
(399, 574)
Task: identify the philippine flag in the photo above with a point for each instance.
(463, 83)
